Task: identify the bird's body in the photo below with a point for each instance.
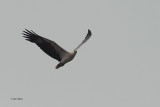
(53, 49)
(67, 57)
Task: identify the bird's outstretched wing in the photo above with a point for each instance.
(48, 46)
(86, 38)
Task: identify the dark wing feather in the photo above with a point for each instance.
(48, 46)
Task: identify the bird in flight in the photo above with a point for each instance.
(53, 49)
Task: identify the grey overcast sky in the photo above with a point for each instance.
(118, 67)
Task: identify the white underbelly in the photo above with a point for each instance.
(67, 58)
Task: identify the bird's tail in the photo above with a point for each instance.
(59, 65)
(30, 36)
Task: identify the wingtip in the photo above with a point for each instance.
(89, 32)
(26, 29)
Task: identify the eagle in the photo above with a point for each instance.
(52, 49)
